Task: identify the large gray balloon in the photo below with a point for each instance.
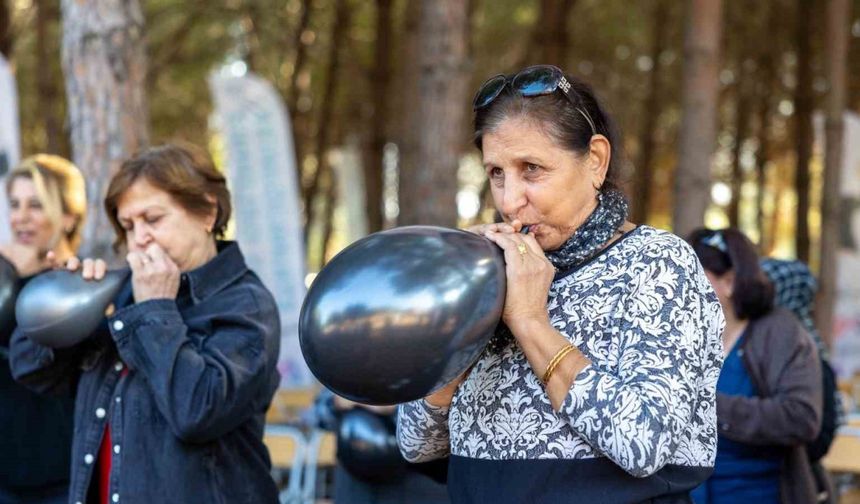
(400, 313)
(60, 309)
(8, 293)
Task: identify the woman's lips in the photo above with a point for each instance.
(25, 237)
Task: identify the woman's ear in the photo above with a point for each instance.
(599, 156)
(213, 213)
(728, 281)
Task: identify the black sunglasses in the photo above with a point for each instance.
(537, 80)
(715, 240)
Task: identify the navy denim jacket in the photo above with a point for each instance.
(187, 419)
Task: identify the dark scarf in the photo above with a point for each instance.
(583, 244)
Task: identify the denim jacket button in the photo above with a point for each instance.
(115, 497)
(118, 325)
(117, 367)
(88, 459)
(116, 449)
(100, 412)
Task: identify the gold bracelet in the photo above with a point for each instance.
(555, 361)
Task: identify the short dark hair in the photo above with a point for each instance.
(724, 250)
(184, 171)
(563, 122)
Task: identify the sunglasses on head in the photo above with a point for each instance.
(716, 240)
(532, 81)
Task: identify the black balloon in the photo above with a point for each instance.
(60, 309)
(367, 446)
(8, 293)
(400, 313)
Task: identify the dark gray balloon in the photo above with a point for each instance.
(60, 309)
(367, 446)
(8, 294)
(400, 313)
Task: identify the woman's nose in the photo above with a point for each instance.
(140, 237)
(513, 196)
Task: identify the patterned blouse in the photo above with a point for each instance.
(645, 315)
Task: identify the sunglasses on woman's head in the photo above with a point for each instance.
(535, 80)
(716, 240)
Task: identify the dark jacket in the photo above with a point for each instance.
(783, 364)
(35, 432)
(187, 419)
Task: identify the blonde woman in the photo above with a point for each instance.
(47, 206)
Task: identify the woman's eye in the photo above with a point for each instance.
(152, 220)
(532, 168)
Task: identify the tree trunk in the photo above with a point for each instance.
(47, 81)
(324, 126)
(6, 36)
(373, 180)
(550, 40)
(105, 67)
(766, 82)
(651, 114)
(428, 176)
(699, 119)
(838, 16)
(803, 124)
(742, 118)
(300, 121)
(301, 54)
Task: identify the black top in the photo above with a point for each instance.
(35, 432)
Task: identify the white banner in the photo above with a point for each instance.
(261, 167)
(10, 151)
(349, 176)
(846, 330)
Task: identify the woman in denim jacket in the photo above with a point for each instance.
(171, 391)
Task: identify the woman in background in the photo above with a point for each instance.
(47, 205)
(769, 390)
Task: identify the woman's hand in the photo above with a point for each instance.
(154, 275)
(529, 276)
(442, 398)
(27, 260)
(91, 269)
(501, 227)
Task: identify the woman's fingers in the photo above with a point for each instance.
(135, 261)
(99, 269)
(88, 269)
(160, 260)
(533, 245)
(73, 264)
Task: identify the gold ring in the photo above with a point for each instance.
(523, 250)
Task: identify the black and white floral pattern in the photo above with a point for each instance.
(644, 313)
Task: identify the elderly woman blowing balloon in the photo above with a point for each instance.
(172, 391)
(47, 206)
(600, 384)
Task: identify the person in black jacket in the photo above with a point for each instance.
(47, 205)
(172, 390)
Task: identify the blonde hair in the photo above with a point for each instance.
(60, 189)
